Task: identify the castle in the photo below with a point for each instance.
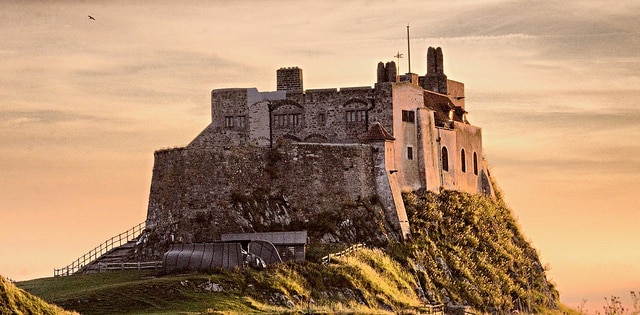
(280, 159)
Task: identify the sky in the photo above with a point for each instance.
(555, 85)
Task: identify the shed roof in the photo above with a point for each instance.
(277, 238)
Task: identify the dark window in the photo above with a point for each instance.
(410, 153)
(445, 159)
(354, 116)
(409, 116)
(286, 120)
(241, 121)
(463, 160)
(228, 121)
(321, 118)
(475, 163)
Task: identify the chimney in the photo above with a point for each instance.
(289, 79)
(435, 80)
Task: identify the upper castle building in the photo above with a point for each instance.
(405, 133)
(434, 145)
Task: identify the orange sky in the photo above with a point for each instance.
(555, 86)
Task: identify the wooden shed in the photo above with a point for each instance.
(290, 245)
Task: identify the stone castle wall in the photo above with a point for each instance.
(197, 194)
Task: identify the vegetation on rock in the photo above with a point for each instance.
(468, 250)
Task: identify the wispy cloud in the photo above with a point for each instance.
(18, 118)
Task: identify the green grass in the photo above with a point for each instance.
(368, 282)
(16, 301)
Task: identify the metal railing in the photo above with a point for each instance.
(100, 250)
(155, 265)
(349, 250)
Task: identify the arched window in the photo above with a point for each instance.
(475, 163)
(445, 159)
(463, 160)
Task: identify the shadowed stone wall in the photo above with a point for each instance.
(197, 194)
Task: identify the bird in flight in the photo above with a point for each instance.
(91, 17)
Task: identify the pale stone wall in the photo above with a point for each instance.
(465, 137)
(407, 97)
(429, 150)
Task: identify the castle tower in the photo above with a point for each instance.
(435, 80)
(289, 79)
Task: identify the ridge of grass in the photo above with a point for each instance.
(16, 301)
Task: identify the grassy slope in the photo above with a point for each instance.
(17, 301)
(366, 282)
(468, 249)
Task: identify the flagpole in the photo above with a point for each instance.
(408, 49)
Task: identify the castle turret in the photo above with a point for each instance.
(289, 79)
(435, 80)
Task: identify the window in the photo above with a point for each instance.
(228, 121)
(463, 160)
(410, 153)
(321, 118)
(445, 159)
(354, 116)
(241, 121)
(286, 120)
(409, 116)
(475, 163)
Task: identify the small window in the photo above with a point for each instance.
(463, 160)
(409, 116)
(475, 163)
(354, 116)
(410, 153)
(228, 121)
(321, 118)
(241, 121)
(445, 159)
(286, 120)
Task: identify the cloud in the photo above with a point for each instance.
(15, 118)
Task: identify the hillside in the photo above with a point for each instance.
(16, 301)
(468, 249)
(366, 282)
(465, 250)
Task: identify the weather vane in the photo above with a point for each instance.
(398, 56)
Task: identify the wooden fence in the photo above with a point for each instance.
(349, 250)
(432, 309)
(100, 250)
(155, 265)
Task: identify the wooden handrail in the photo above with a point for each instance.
(100, 250)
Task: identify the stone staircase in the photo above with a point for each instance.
(122, 253)
(117, 249)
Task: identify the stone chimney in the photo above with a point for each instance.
(435, 80)
(289, 79)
